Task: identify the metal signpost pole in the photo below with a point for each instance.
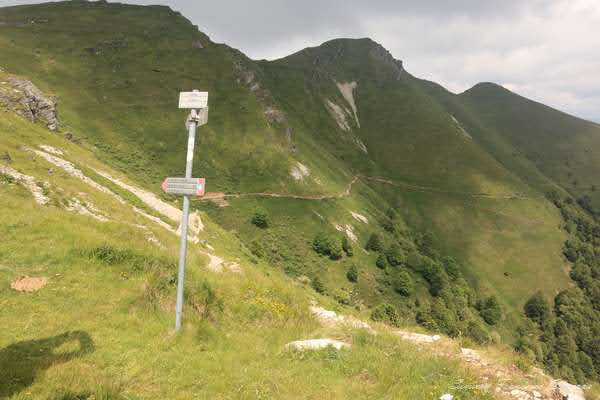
(197, 102)
(184, 220)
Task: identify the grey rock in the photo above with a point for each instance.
(26, 99)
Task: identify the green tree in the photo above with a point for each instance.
(394, 255)
(490, 310)
(352, 273)
(404, 283)
(381, 261)
(260, 218)
(374, 243)
(537, 308)
(322, 244)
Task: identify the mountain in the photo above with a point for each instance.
(335, 176)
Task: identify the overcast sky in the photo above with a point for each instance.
(547, 50)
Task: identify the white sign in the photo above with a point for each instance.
(185, 186)
(193, 99)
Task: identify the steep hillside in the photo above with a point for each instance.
(436, 175)
(331, 171)
(562, 147)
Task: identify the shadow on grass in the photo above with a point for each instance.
(22, 362)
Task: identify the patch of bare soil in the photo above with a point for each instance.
(217, 198)
(29, 284)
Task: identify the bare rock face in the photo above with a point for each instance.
(26, 99)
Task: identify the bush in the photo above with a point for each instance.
(537, 308)
(433, 273)
(322, 244)
(404, 284)
(317, 285)
(394, 255)
(374, 243)
(352, 274)
(335, 249)
(452, 268)
(477, 333)
(490, 311)
(347, 246)
(260, 218)
(388, 225)
(381, 262)
(386, 313)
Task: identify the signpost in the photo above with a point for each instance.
(184, 186)
(198, 103)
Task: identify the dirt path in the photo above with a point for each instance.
(346, 192)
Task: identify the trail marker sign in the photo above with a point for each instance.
(193, 100)
(197, 102)
(185, 186)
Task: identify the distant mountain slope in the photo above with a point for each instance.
(565, 148)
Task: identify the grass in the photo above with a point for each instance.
(117, 89)
(130, 85)
(102, 328)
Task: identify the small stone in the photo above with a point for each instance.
(446, 396)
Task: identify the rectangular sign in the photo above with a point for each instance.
(185, 186)
(193, 99)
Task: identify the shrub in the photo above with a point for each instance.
(452, 268)
(374, 243)
(352, 273)
(477, 333)
(394, 255)
(260, 218)
(388, 225)
(317, 285)
(490, 311)
(347, 246)
(537, 307)
(404, 284)
(385, 313)
(322, 244)
(434, 274)
(381, 262)
(335, 249)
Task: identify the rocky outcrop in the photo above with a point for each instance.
(247, 77)
(24, 98)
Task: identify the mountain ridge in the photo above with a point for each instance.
(460, 216)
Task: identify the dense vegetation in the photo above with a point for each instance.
(566, 334)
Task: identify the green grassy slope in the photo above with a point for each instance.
(117, 89)
(117, 70)
(102, 326)
(562, 147)
(483, 211)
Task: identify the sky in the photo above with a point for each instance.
(546, 50)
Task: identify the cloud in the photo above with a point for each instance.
(543, 49)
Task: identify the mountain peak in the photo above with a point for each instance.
(350, 56)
